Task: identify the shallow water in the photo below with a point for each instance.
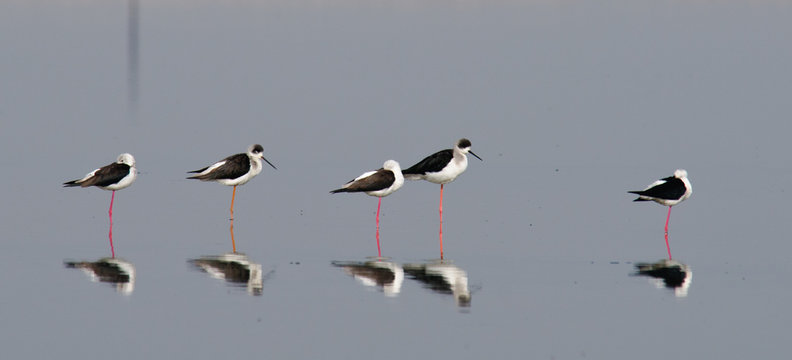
(570, 105)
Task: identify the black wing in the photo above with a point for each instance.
(432, 163)
(104, 270)
(672, 189)
(234, 167)
(233, 271)
(432, 281)
(382, 179)
(380, 275)
(105, 176)
(673, 275)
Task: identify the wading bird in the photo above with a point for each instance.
(379, 183)
(669, 192)
(234, 170)
(442, 168)
(115, 176)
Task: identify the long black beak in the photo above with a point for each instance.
(474, 154)
(270, 164)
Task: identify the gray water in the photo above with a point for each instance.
(570, 104)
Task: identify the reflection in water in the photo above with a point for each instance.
(234, 268)
(114, 271)
(383, 274)
(669, 273)
(443, 277)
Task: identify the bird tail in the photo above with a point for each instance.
(199, 177)
(640, 195)
(198, 171)
(339, 190)
(72, 183)
(73, 264)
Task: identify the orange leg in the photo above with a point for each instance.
(233, 243)
(110, 212)
(441, 221)
(233, 195)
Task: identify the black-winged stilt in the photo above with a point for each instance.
(379, 183)
(669, 192)
(234, 170)
(384, 274)
(115, 176)
(234, 268)
(442, 168)
(115, 271)
(669, 273)
(442, 277)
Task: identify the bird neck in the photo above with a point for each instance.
(459, 156)
(255, 164)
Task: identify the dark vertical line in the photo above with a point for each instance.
(133, 56)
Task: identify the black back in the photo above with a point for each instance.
(235, 166)
(382, 179)
(233, 271)
(673, 276)
(673, 188)
(382, 276)
(106, 271)
(106, 176)
(431, 164)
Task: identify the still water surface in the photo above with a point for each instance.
(570, 104)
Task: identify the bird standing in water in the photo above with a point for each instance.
(442, 168)
(669, 192)
(379, 183)
(234, 170)
(115, 176)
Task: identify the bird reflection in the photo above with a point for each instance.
(386, 275)
(235, 268)
(114, 271)
(443, 277)
(669, 273)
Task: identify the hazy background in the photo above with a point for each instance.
(569, 103)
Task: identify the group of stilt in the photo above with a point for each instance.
(441, 168)
(234, 170)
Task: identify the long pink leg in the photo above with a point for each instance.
(666, 233)
(379, 254)
(441, 221)
(112, 249)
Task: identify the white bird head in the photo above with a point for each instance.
(391, 165)
(126, 158)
